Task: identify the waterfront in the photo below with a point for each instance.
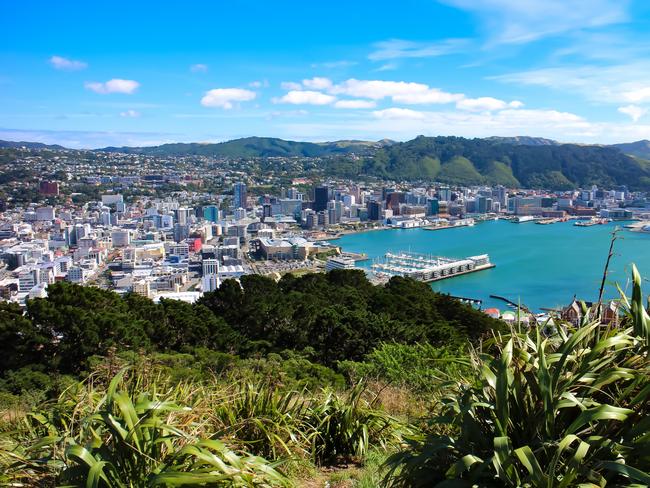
(541, 265)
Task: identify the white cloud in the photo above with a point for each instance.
(431, 95)
(399, 91)
(224, 97)
(398, 48)
(637, 95)
(404, 123)
(355, 104)
(290, 85)
(388, 67)
(130, 114)
(259, 84)
(199, 68)
(334, 64)
(305, 97)
(317, 83)
(399, 114)
(634, 111)
(616, 83)
(516, 104)
(116, 85)
(521, 21)
(67, 64)
(482, 104)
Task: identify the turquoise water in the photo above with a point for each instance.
(538, 265)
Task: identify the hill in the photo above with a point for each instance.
(29, 145)
(251, 147)
(523, 141)
(478, 161)
(640, 149)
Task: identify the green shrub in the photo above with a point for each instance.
(545, 412)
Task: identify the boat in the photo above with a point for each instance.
(523, 219)
(590, 222)
(547, 221)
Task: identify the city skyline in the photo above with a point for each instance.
(89, 76)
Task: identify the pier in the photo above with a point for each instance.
(427, 268)
(512, 304)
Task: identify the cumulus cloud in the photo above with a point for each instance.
(259, 84)
(130, 114)
(305, 97)
(399, 91)
(66, 64)
(637, 95)
(488, 104)
(290, 85)
(225, 97)
(318, 83)
(396, 113)
(633, 111)
(199, 68)
(116, 85)
(355, 104)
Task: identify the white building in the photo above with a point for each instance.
(339, 263)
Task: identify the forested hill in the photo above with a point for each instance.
(640, 149)
(511, 161)
(254, 147)
(475, 161)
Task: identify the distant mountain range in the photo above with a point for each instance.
(251, 147)
(532, 162)
(29, 145)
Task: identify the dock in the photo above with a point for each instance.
(426, 267)
(511, 303)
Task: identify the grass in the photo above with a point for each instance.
(566, 409)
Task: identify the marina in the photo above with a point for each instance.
(541, 266)
(426, 267)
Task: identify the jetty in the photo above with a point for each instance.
(427, 267)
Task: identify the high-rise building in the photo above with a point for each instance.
(433, 208)
(484, 204)
(240, 195)
(211, 213)
(445, 194)
(374, 210)
(182, 215)
(321, 197)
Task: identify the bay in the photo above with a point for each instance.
(541, 266)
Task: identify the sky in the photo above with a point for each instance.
(94, 74)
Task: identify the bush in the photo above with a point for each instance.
(560, 411)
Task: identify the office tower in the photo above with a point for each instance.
(240, 196)
(321, 197)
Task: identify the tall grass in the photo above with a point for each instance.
(146, 431)
(545, 411)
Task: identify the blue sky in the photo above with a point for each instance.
(91, 74)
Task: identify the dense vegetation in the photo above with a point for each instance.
(543, 407)
(316, 321)
(475, 161)
(640, 149)
(252, 147)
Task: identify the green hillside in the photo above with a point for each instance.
(251, 147)
(477, 161)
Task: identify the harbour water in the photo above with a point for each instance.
(541, 266)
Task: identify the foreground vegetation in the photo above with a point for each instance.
(520, 407)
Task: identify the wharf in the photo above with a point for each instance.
(428, 268)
